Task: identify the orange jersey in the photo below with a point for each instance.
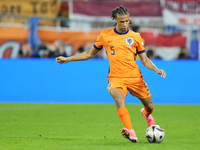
(121, 49)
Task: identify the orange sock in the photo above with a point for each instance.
(125, 117)
(147, 112)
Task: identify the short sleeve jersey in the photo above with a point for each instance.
(121, 49)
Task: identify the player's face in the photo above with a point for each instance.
(122, 23)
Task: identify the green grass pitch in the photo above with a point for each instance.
(93, 127)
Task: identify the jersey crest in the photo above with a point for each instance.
(129, 41)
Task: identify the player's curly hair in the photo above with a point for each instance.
(119, 11)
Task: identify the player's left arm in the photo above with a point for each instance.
(149, 64)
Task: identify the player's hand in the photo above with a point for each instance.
(61, 59)
(161, 72)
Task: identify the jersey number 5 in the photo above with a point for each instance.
(112, 50)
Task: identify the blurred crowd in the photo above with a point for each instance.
(152, 53)
(58, 48)
(43, 51)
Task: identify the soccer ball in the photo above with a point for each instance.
(155, 134)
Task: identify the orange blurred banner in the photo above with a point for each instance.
(12, 39)
(75, 39)
(42, 8)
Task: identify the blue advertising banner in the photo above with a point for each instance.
(46, 81)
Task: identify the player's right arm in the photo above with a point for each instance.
(82, 56)
(86, 54)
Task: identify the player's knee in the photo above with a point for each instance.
(150, 107)
(119, 100)
(119, 97)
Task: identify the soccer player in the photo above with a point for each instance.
(122, 45)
